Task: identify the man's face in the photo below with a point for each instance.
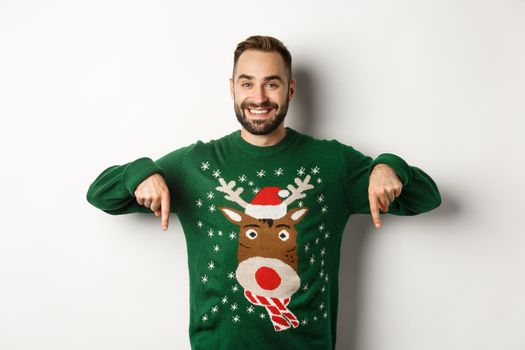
(261, 91)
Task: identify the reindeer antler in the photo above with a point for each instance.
(298, 192)
(231, 195)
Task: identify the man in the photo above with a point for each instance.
(263, 210)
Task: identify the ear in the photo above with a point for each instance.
(231, 88)
(297, 214)
(292, 89)
(233, 215)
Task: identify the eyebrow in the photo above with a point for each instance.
(251, 225)
(250, 77)
(282, 225)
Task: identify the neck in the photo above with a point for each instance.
(270, 139)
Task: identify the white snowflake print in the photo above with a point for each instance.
(242, 178)
(219, 233)
(323, 252)
(321, 306)
(305, 287)
(262, 316)
(205, 165)
(320, 198)
(278, 172)
(315, 170)
(323, 289)
(306, 247)
(325, 314)
(211, 208)
(261, 173)
(321, 273)
(326, 278)
(301, 171)
(319, 180)
(255, 190)
(317, 240)
(205, 317)
(210, 195)
(321, 227)
(312, 259)
(324, 209)
(327, 235)
(216, 248)
(224, 299)
(315, 318)
(216, 173)
(199, 202)
(215, 309)
(231, 275)
(233, 306)
(199, 224)
(211, 265)
(204, 279)
(210, 232)
(235, 288)
(250, 183)
(250, 309)
(322, 262)
(300, 204)
(304, 321)
(236, 318)
(233, 235)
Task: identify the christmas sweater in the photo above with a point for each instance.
(263, 228)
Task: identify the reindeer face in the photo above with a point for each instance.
(267, 251)
(266, 237)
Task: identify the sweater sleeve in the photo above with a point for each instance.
(113, 191)
(418, 195)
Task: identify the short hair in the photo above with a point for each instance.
(267, 44)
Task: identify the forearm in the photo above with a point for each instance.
(112, 191)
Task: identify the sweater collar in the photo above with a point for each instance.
(249, 148)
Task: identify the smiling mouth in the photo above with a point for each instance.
(259, 113)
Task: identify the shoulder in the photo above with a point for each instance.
(327, 146)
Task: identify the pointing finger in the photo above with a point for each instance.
(374, 210)
(165, 207)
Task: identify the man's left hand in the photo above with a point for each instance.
(384, 186)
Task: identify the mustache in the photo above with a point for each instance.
(262, 105)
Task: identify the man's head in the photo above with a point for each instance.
(261, 81)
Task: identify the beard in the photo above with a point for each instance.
(264, 126)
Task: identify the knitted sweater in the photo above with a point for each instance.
(263, 229)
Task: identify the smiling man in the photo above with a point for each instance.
(263, 211)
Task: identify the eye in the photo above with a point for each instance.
(283, 235)
(251, 233)
(243, 84)
(274, 85)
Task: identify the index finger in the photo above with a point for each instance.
(374, 210)
(165, 207)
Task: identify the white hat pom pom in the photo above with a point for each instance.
(283, 193)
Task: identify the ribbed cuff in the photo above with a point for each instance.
(397, 163)
(137, 171)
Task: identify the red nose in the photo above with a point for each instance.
(267, 278)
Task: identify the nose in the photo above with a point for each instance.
(259, 95)
(267, 278)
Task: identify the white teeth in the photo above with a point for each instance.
(253, 111)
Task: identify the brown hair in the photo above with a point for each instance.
(267, 44)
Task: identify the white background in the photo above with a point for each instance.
(89, 84)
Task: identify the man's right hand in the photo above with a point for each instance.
(153, 193)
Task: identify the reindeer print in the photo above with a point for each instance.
(267, 246)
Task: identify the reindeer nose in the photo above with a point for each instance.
(267, 278)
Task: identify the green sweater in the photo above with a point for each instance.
(263, 229)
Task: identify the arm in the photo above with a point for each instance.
(419, 193)
(113, 190)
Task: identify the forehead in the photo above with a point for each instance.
(260, 64)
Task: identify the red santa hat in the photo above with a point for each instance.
(267, 203)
